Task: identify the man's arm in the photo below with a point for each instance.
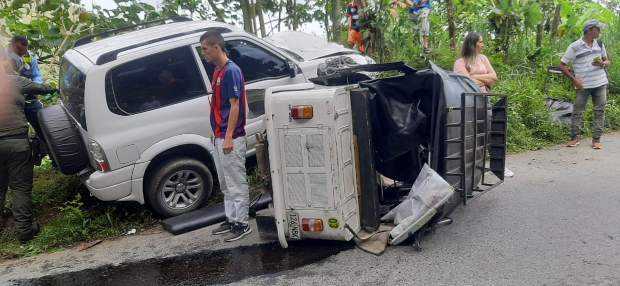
(234, 91)
(28, 87)
(233, 118)
(605, 62)
(568, 58)
(566, 71)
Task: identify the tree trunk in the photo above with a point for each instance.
(451, 25)
(290, 13)
(556, 21)
(253, 16)
(261, 19)
(247, 18)
(326, 22)
(219, 13)
(335, 17)
(539, 34)
(279, 19)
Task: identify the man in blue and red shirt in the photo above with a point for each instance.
(228, 114)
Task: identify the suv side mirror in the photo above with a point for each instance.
(292, 69)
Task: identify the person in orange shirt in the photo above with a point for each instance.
(355, 38)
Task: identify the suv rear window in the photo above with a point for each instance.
(154, 81)
(71, 84)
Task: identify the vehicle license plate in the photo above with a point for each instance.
(293, 226)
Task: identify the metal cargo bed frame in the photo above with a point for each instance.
(493, 141)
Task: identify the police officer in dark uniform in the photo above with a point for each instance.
(16, 165)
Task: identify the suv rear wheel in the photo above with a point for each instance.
(178, 186)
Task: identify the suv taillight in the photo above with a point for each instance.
(96, 152)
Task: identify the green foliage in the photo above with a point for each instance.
(75, 223)
(529, 123)
(52, 188)
(520, 64)
(50, 25)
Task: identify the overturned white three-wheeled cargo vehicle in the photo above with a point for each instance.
(330, 147)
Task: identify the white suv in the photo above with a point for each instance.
(134, 112)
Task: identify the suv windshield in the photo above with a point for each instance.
(71, 85)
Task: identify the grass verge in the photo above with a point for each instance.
(69, 215)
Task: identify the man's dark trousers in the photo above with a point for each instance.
(16, 174)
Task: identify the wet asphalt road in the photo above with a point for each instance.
(556, 222)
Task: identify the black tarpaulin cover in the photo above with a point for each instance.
(406, 118)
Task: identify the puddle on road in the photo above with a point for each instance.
(223, 266)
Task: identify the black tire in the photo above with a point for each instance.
(168, 174)
(64, 141)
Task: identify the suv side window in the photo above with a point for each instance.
(154, 81)
(256, 63)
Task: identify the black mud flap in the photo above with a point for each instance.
(366, 172)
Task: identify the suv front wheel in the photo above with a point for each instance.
(178, 186)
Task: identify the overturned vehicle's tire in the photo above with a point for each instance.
(64, 142)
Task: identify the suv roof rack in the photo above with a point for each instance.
(112, 55)
(88, 39)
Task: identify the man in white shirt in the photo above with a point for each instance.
(588, 58)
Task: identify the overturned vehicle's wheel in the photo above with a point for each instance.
(179, 186)
(64, 142)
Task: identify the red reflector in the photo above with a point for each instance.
(104, 167)
(302, 112)
(312, 224)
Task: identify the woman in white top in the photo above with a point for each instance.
(474, 64)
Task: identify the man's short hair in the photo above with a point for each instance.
(19, 39)
(213, 38)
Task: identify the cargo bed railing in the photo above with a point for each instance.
(493, 140)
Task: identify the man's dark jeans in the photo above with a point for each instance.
(599, 100)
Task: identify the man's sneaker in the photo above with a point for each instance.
(596, 144)
(574, 142)
(224, 227)
(238, 231)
